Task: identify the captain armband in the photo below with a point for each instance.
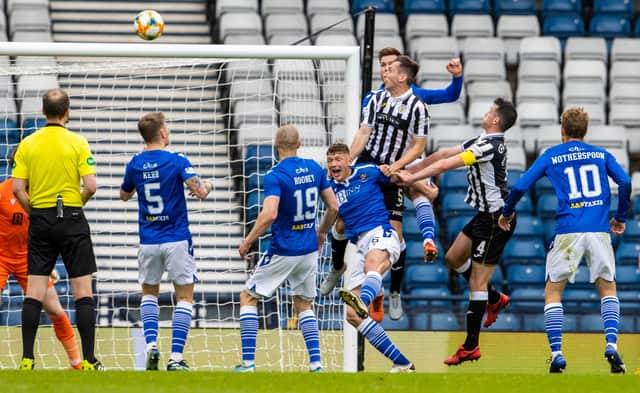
(468, 157)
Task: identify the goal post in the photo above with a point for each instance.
(223, 104)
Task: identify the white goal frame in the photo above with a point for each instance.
(350, 54)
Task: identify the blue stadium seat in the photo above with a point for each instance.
(561, 7)
(381, 5)
(529, 227)
(513, 175)
(444, 321)
(453, 181)
(424, 7)
(254, 201)
(497, 279)
(580, 299)
(628, 277)
(420, 320)
(421, 276)
(613, 207)
(9, 132)
(570, 323)
(543, 186)
(636, 30)
(331, 321)
(453, 204)
(609, 26)
(591, 323)
(5, 151)
(547, 205)
(622, 8)
(535, 322)
(438, 297)
(415, 251)
(254, 181)
(408, 206)
(29, 126)
(525, 205)
(527, 299)
(411, 229)
(628, 252)
(400, 324)
(454, 226)
(629, 301)
(469, 7)
(549, 225)
(636, 204)
(515, 7)
(524, 251)
(521, 276)
(258, 158)
(507, 322)
(563, 26)
(632, 232)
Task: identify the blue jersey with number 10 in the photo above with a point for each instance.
(298, 183)
(158, 177)
(579, 174)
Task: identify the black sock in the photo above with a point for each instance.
(86, 322)
(467, 273)
(337, 252)
(475, 312)
(30, 320)
(397, 273)
(494, 295)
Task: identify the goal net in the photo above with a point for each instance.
(223, 105)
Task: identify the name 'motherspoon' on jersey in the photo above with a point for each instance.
(360, 201)
(158, 177)
(298, 183)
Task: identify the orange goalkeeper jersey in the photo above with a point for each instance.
(14, 224)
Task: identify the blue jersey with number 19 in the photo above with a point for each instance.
(158, 177)
(298, 183)
(360, 201)
(579, 174)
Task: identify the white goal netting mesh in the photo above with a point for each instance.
(222, 115)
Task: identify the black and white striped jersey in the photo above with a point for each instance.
(487, 173)
(395, 122)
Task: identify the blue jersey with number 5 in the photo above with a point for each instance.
(158, 177)
(579, 174)
(297, 182)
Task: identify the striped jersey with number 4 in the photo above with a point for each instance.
(158, 177)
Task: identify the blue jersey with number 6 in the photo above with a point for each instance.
(297, 182)
(158, 177)
(579, 174)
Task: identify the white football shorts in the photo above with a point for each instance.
(379, 239)
(174, 257)
(299, 271)
(568, 249)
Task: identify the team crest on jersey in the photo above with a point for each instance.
(363, 177)
(501, 149)
(402, 108)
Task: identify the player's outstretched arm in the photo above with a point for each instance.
(415, 151)
(198, 188)
(441, 154)
(89, 187)
(125, 196)
(432, 170)
(267, 216)
(359, 141)
(329, 217)
(20, 191)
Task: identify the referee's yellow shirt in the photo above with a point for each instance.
(53, 160)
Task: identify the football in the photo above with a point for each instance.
(148, 25)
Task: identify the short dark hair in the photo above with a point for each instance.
(506, 112)
(150, 125)
(338, 148)
(409, 67)
(55, 103)
(388, 51)
(574, 122)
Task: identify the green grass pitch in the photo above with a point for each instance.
(511, 362)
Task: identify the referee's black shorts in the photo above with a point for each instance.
(69, 237)
(393, 194)
(487, 239)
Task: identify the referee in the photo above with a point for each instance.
(47, 171)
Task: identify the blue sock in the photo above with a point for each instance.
(149, 312)
(424, 215)
(248, 332)
(376, 335)
(610, 311)
(180, 328)
(553, 319)
(308, 324)
(370, 287)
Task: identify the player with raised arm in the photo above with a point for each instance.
(14, 230)
(157, 175)
(421, 194)
(579, 174)
(478, 248)
(292, 189)
(367, 226)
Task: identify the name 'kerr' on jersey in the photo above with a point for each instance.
(158, 177)
(298, 182)
(361, 203)
(579, 174)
